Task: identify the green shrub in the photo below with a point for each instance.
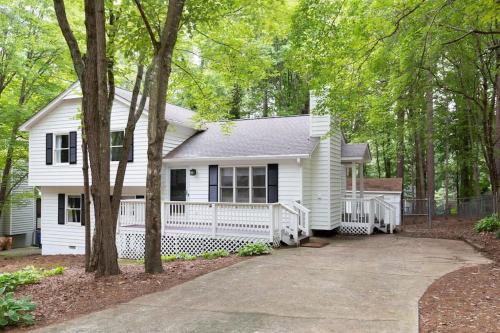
(488, 224)
(498, 234)
(254, 249)
(15, 311)
(215, 254)
(28, 275)
(185, 256)
(169, 258)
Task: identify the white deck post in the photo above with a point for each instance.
(273, 222)
(353, 179)
(162, 217)
(361, 181)
(214, 220)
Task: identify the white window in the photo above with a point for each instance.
(116, 145)
(73, 208)
(243, 184)
(226, 185)
(62, 148)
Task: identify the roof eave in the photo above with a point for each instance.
(236, 158)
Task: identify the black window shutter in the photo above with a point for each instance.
(272, 183)
(131, 150)
(139, 197)
(61, 202)
(213, 181)
(82, 210)
(48, 148)
(72, 147)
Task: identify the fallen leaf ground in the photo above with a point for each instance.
(468, 299)
(76, 293)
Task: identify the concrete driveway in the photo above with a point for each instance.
(360, 285)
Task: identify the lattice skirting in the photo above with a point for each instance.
(355, 228)
(131, 244)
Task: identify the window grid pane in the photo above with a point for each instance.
(73, 209)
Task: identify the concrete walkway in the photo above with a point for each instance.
(361, 285)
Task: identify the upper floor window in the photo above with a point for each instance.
(116, 146)
(61, 151)
(243, 184)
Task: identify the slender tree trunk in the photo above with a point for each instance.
(400, 168)
(497, 126)
(265, 104)
(157, 126)
(86, 204)
(429, 99)
(419, 173)
(377, 159)
(7, 168)
(446, 176)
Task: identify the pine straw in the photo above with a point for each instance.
(75, 292)
(468, 299)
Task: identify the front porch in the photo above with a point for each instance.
(197, 227)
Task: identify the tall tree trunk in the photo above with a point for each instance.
(446, 177)
(400, 168)
(92, 71)
(377, 160)
(157, 126)
(429, 99)
(419, 173)
(265, 103)
(86, 203)
(497, 118)
(7, 167)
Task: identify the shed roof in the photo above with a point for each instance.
(379, 184)
(355, 152)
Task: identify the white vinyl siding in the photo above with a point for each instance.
(66, 238)
(322, 176)
(197, 186)
(18, 216)
(64, 118)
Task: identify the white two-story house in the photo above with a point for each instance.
(224, 184)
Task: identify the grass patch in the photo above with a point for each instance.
(215, 254)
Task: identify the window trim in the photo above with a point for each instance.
(250, 182)
(111, 146)
(56, 150)
(66, 208)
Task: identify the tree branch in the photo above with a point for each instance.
(147, 24)
(68, 35)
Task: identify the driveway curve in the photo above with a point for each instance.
(369, 284)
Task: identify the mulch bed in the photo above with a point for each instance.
(468, 299)
(75, 292)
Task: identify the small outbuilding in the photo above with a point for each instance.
(391, 189)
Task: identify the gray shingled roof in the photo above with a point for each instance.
(252, 137)
(355, 151)
(174, 113)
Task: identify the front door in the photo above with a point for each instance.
(178, 185)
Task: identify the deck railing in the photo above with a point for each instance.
(361, 215)
(256, 220)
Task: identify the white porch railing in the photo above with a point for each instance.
(361, 215)
(219, 219)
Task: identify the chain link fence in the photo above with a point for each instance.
(419, 210)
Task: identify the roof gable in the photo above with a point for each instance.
(174, 114)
